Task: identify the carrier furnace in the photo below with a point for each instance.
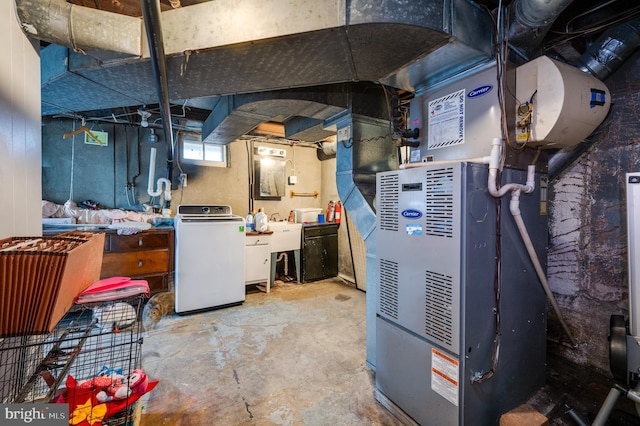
(441, 306)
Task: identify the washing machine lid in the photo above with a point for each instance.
(203, 210)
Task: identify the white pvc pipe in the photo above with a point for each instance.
(514, 207)
(161, 181)
(152, 172)
(284, 256)
(494, 164)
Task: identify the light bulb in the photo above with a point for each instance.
(144, 121)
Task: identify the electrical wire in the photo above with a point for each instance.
(497, 281)
(629, 14)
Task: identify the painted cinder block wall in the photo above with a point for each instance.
(587, 262)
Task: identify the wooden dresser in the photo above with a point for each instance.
(147, 255)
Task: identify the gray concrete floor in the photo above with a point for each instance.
(295, 356)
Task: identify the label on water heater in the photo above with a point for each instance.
(444, 376)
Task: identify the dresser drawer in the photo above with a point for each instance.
(134, 263)
(142, 241)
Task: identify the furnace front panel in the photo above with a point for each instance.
(437, 247)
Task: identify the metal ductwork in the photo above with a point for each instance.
(364, 147)
(531, 22)
(611, 49)
(214, 48)
(80, 28)
(601, 60)
(302, 111)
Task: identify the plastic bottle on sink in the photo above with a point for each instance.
(261, 221)
(250, 224)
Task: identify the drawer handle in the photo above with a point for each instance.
(140, 242)
(140, 263)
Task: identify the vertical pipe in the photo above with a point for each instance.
(152, 170)
(152, 22)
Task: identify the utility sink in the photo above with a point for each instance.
(286, 236)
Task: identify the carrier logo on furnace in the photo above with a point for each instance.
(479, 91)
(411, 214)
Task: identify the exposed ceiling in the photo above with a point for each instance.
(324, 62)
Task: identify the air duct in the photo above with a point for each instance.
(601, 60)
(80, 28)
(611, 49)
(364, 147)
(214, 49)
(531, 22)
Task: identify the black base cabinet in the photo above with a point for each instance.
(319, 251)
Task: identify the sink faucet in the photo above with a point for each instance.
(273, 215)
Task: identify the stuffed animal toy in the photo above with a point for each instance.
(135, 383)
(86, 410)
(105, 378)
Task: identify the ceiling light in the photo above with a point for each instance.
(144, 122)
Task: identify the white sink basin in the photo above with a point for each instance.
(286, 236)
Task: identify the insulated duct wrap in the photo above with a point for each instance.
(80, 28)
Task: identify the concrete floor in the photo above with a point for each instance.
(291, 357)
(296, 356)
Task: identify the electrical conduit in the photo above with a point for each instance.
(514, 207)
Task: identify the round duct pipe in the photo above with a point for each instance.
(601, 59)
(327, 150)
(611, 49)
(531, 22)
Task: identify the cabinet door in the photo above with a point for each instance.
(257, 263)
(313, 255)
(330, 256)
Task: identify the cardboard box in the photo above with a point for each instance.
(40, 277)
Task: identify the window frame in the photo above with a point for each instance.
(196, 138)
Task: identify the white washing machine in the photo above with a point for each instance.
(209, 262)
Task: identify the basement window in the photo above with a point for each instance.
(194, 151)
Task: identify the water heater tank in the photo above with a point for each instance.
(557, 105)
